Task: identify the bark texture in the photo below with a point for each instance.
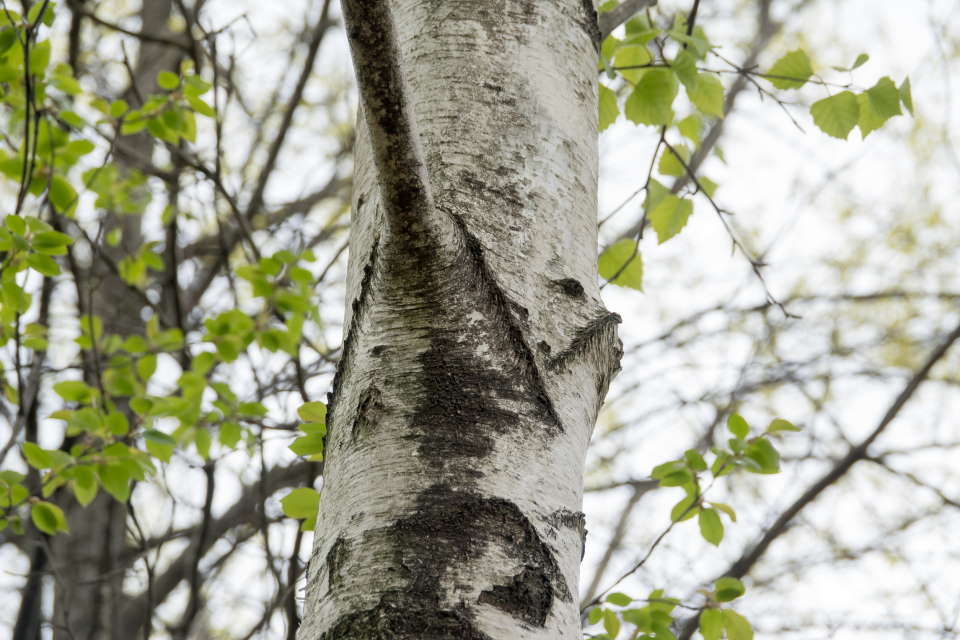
(477, 349)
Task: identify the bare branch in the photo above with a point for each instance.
(856, 453)
(617, 16)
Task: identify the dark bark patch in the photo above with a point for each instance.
(507, 312)
(590, 23)
(458, 526)
(349, 344)
(369, 410)
(397, 619)
(570, 519)
(600, 334)
(527, 597)
(575, 520)
(459, 408)
(570, 286)
(336, 558)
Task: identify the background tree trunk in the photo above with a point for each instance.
(477, 350)
(89, 563)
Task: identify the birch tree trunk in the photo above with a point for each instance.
(477, 350)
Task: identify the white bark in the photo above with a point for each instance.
(478, 351)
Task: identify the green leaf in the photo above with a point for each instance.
(43, 264)
(75, 391)
(34, 14)
(313, 412)
(738, 627)
(118, 108)
(652, 99)
(690, 128)
(670, 216)
(40, 58)
(727, 509)
(621, 264)
(146, 366)
(711, 624)
(670, 164)
(619, 599)
(631, 55)
(737, 425)
(695, 460)
(117, 423)
(707, 95)
(878, 104)
(84, 484)
(684, 510)
(302, 504)
(609, 111)
(665, 469)
(859, 62)
(115, 479)
(711, 527)
(8, 35)
(638, 617)
(119, 381)
(906, 96)
(36, 457)
(202, 441)
(157, 129)
(135, 123)
(13, 495)
(194, 85)
(63, 80)
(837, 115)
(62, 194)
(611, 623)
(779, 424)
(201, 107)
(595, 615)
(230, 434)
(51, 243)
(727, 589)
(48, 517)
(16, 224)
(764, 455)
(676, 479)
(709, 186)
(168, 80)
(308, 445)
(792, 70)
(159, 444)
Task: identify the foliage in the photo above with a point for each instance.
(755, 454)
(131, 402)
(649, 64)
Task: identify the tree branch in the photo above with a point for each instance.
(856, 453)
(137, 610)
(617, 16)
(404, 187)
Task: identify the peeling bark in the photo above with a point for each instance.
(452, 486)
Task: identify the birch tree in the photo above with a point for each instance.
(477, 351)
